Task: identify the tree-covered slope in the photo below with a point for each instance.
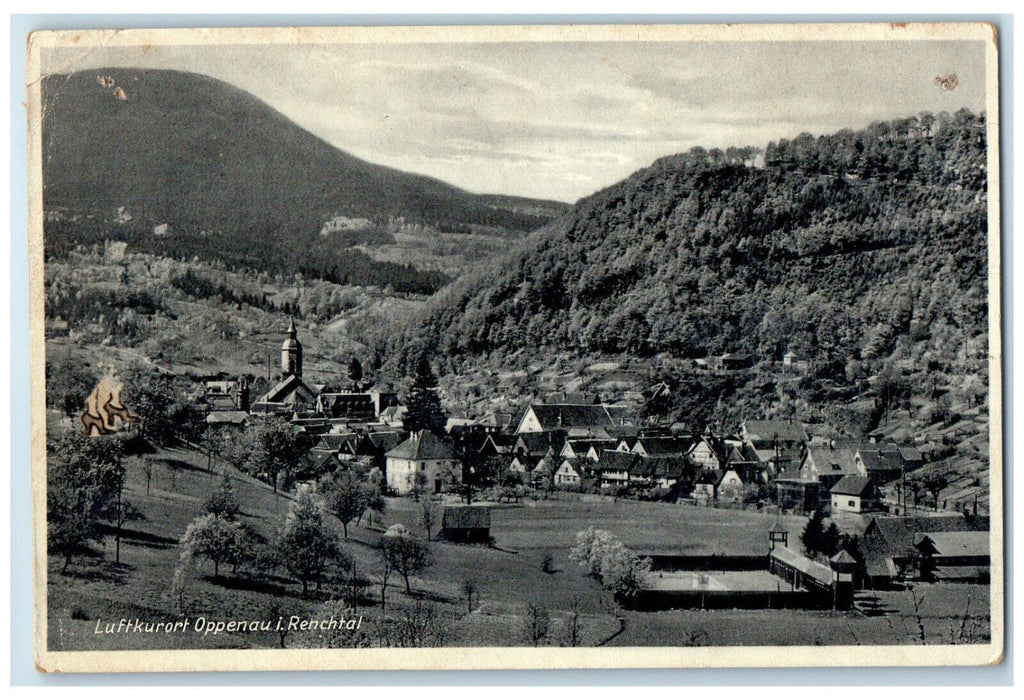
(854, 251)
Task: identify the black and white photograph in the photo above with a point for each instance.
(556, 346)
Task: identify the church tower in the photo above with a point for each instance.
(291, 354)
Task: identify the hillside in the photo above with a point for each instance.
(183, 164)
(862, 253)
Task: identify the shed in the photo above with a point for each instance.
(469, 524)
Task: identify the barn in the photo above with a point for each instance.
(467, 524)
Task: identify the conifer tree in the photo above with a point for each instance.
(423, 406)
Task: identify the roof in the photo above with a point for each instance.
(894, 536)
(953, 544)
(386, 441)
(286, 388)
(664, 445)
(843, 557)
(803, 564)
(230, 417)
(768, 430)
(852, 485)
(539, 443)
(881, 458)
(466, 517)
(831, 460)
(566, 415)
(423, 445)
(611, 460)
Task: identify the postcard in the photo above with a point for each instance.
(512, 347)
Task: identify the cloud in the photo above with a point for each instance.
(560, 120)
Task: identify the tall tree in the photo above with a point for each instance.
(212, 536)
(84, 476)
(423, 405)
(346, 496)
(307, 543)
(273, 449)
(355, 373)
(407, 554)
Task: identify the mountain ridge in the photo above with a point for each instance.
(128, 150)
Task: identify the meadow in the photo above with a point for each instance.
(527, 565)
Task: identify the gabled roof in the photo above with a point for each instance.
(881, 459)
(227, 417)
(895, 535)
(580, 446)
(286, 390)
(539, 443)
(741, 455)
(572, 464)
(565, 415)
(825, 461)
(386, 440)
(665, 467)
(611, 460)
(458, 517)
(663, 445)
(423, 445)
(852, 485)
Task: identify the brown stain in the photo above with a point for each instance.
(104, 412)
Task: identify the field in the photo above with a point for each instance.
(508, 577)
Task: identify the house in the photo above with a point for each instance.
(794, 491)
(888, 543)
(393, 416)
(542, 475)
(359, 407)
(708, 452)
(705, 487)
(523, 464)
(569, 474)
(736, 361)
(423, 461)
(779, 445)
(497, 445)
(827, 465)
(742, 459)
(665, 472)
(953, 556)
(731, 488)
(466, 524)
(615, 467)
(853, 494)
(883, 461)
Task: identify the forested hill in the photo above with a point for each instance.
(852, 249)
(125, 151)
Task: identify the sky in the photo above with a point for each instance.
(560, 120)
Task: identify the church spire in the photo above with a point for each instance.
(291, 353)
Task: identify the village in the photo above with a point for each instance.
(898, 527)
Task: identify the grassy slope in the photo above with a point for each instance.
(508, 576)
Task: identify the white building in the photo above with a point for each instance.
(423, 458)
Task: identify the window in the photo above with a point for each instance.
(851, 503)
